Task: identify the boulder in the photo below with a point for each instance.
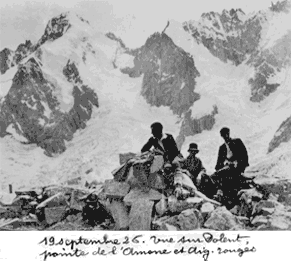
(140, 215)
(137, 194)
(274, 185)
(119, 214)
(177, 206)
(6, 198)
(156, 181)
(77, 200)
(280, 219)
(54, 214)
(221, 219)
(54, 201)
(259, 220)
(158, 223)
(190, 219)
(206, 209)
(116, 190)
(266, 207)
(279, 223)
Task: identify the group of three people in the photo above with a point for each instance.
(232, 157)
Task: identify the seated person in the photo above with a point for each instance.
(194, 165)
(232, 162)
(164, 143)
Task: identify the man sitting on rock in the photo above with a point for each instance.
(163, 143)
(194, 165)
(232, 162)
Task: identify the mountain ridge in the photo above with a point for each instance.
(173, 77)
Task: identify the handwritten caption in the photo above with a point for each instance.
(205, 246)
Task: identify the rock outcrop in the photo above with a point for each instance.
(169, 72)
(283, 134)
(9, 58)
(232, 36)
(33, 108)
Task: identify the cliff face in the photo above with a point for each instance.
(32, 108)
(282, 135)
(169, 73)
(9, 58)
(235, 37)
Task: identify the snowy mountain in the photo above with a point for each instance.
(75, 100)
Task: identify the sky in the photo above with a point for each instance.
(21, 20)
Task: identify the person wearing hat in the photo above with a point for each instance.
(193, 164)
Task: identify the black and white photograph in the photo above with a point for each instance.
(145, 116)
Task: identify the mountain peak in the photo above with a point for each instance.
(281, 6)
(59, 25)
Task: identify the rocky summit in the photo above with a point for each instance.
(77, 103)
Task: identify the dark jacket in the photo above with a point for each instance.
(170, 149)
(193, 165)
(239, 152)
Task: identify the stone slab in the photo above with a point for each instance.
(156, 181)
(114, 189)
(77, 202)
(119, 214)
(55, 214)
(221, 219)
(259, 220)
(140, 215)
(137, 194)
(187, 220)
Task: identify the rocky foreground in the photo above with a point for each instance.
(114, 205)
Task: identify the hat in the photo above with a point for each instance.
(193, 147)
